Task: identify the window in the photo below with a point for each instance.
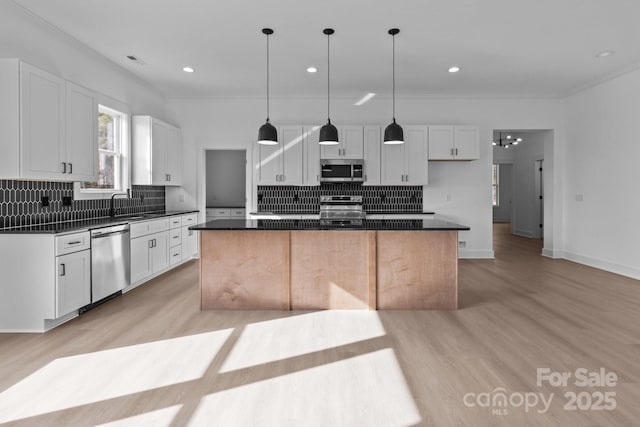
(495, 181)
(113, 149)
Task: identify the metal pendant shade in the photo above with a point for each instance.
(328, 132)
(267, 135)
(393, 134)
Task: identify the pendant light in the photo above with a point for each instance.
(267, 135)
(328, 132)
(393, 133)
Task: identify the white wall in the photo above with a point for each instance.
(29, 38)
(602, 177)
(457, 191)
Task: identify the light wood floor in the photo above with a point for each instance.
(152, 358)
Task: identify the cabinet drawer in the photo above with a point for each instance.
(222, 212)
(175, 255)
(189, 220)
(175, 222)
(72, 243)
(175, 237)
(238, 213)
(138, 229)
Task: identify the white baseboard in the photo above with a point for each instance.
(475, 254)
(623, 270)
(550, 253)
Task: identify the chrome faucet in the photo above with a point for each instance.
(112, 208)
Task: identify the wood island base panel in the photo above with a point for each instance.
(335, 269)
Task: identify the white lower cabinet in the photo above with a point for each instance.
(189, 243)
(46, 278)
(149, 255)
(73, 282)
(161, 244)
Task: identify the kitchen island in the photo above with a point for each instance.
(311, 264)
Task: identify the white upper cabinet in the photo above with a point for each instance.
(406, 164)
(454, 143)
(48, 126)
(174, 156)
(156, 152)
(82, 133)
(350, 145)
(371, 157)
(311, 148)
(281, 164)
(42, 124)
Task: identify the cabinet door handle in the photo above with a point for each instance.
(190, 232)
(456, 151)
(155, 243)
(64, 167)
(365, 177)
(406, 178)
(150, 243)
(176, 255)
(64, 270)
(176, 237)
(317, 178)
(70, 167)
(75, 242)
(169, 177)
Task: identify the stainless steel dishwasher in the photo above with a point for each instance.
(110, 261)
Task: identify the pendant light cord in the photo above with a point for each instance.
(328, 82)
(267, 77)
(394, 77)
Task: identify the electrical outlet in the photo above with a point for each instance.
(181, 198)
(462, 244)
(45, 201)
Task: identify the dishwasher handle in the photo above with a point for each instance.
(113, 233)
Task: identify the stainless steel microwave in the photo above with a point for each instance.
(341, 170)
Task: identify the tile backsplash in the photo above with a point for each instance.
(306, 199)
(20, 203)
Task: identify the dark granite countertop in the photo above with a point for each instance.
(368, 212)
(313, 224)
(88, 224)
(399, 213)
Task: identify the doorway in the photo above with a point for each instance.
(521, 156)
(225, 178)
(504, 192)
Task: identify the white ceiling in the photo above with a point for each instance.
(505, 47)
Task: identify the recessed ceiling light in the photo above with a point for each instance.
(454, 69)
(312, 70)
(515, 142)
(508, 136)
(518, 139)
(365, 98)
(188, 70)
(605, 53)
(493, 143)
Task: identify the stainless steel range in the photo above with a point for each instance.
(341, 211)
